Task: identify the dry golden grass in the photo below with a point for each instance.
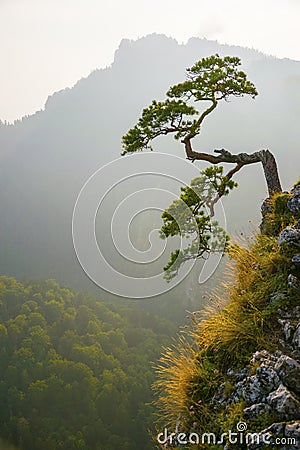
(239, 321)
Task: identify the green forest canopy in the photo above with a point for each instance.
(75, 373)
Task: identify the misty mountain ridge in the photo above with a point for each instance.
(47, 157)
(146, 49)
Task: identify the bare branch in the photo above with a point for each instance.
(265, 157)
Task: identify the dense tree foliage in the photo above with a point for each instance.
(75, 373)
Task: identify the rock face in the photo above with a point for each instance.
(277, 376)
(293, 282)
(296, 338)
(288, 371)
(274, 387)
(296, 260)
(294, 201)
(289, 437)
(290, 236)
(284, 403)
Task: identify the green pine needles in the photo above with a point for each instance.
(208, 81)
(191, 217)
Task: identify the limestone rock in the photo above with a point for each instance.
(293, 282)
(296, 260)
(290, 313)
(264, 437)
(293, 202)
(266, 207)
(283, 402)
(238, 375)
(289, 434)
(293, 430)
(288, 371)
(296, 337)
(290, 236)
(265, 356)
(253, 391)
(266, 380)
(286, 328)
(256, 410)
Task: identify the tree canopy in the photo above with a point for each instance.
(75, 373)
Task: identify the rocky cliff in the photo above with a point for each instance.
(238, 383)
(270, 385)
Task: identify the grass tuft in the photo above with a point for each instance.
(240, 319)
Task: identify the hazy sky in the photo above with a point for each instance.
(47, 45)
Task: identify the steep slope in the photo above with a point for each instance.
(236, 383)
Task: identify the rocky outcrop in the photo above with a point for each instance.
(294, 201)
(296, 260)
(276, 376)
(264, 396)
(270, 385)
(274, 390)
(290, 236)
(288, 371)
(293, 282)
(289, 436)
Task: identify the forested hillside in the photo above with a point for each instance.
(75, 373)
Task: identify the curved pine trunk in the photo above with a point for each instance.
(265, 157)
